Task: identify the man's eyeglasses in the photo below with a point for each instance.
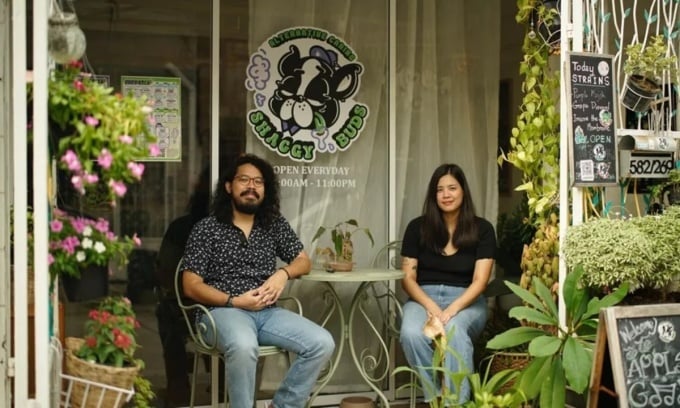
(245, 181)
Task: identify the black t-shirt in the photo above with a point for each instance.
(454, 270)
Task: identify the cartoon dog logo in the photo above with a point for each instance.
(311, 88)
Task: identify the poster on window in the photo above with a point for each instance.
(166, 119)
(304, 81)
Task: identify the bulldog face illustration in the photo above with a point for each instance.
(311, 88)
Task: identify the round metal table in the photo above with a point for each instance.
(374, 367)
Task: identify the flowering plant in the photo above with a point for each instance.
(110, 333)
(77, 242)
(110, 340)
(102, 135)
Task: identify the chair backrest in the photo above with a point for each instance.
(383, 259)
(189, 311)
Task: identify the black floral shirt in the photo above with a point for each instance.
(226, 260)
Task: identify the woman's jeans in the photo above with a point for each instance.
(240, 333)
(467, 324)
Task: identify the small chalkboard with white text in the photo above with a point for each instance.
(644, 353)
(592, 130)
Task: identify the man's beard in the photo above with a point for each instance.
(247, 207)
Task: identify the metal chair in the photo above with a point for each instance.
(199, 345)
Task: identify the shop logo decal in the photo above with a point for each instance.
(303, 82)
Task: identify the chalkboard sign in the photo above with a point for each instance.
(592, 125)
(644, 353)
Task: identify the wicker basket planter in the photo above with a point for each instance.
(84, 397)
(504, 360)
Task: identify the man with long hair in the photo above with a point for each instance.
(230, 266)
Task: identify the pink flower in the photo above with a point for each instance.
(137, 169)
(119, 188)
(91, 120)
(56, 226)
(154, 150)
(102, 225)
(105, 159)
(77, 182)
(90, 178)
(125, 139)
(50, 259)
(78, 224)
(136, 240)
(71, 160)
(69, 244)
(78, 84)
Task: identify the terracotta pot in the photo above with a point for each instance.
(356, 402)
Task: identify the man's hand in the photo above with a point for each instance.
(251, 300)
(272, 288)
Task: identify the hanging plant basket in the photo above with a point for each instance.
(639, 92)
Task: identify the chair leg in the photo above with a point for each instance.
(193, 381)
(214, 380)
(412, 402)
(226, 390)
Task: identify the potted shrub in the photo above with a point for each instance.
(340, 257)
(645, 67)
(560, 356)
(641, 251)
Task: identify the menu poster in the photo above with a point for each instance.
(592, 134)
(166, 121)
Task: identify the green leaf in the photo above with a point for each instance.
(546, 297)
(514, 337)
(577, 364)
(525, 295)
(553, 391)
(544, 346)
(532, 315)
(537, 368)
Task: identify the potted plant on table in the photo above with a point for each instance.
(106, 355)
(340, 257)
(645, 66)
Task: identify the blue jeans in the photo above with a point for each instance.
(418, 349)
(240, 332)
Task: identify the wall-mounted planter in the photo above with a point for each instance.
(639, 92)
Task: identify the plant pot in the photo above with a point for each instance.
(92, 284)
(674, 195)
(638, 93)
(339, 266)
(549, 32)
(83, 396)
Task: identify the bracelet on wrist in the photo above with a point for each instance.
(286, 271)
